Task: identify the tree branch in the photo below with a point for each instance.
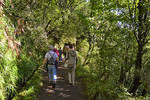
(52, 30)
(47, 25)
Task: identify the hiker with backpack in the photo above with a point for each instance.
(71, 56)
(56, 62)
(51, 58)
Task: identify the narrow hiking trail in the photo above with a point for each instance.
(62, 91)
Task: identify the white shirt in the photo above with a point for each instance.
(48, 56)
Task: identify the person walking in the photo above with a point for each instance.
(56, 62)
(60, 54)
(71, 56)
(51, 57)
(65, 49)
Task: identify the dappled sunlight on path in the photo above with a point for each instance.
(62, 91)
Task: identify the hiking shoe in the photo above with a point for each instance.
(54, 85)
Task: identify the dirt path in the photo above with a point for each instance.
(62, 91)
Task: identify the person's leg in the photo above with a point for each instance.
(69, 77)
(54, 76)
(69, 74)
(73, 74)
(60, 58)
(50, 73)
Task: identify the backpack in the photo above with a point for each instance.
(51, 61)
(72, 57)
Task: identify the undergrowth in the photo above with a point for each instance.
(31, 89)
(102, 88)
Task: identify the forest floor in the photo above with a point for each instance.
(62, 91)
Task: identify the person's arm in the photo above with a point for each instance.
(57, 58)
(67, 54)
(57, 53)
(63, 51)
(43, 62)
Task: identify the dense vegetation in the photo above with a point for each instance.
(111, 37)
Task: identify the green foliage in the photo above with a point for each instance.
(100, 91)
(105, 32)
(30, 91)
(8, 67)
(25, 66)
(114, 53)
(16, 68)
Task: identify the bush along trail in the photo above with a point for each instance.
(62, 91)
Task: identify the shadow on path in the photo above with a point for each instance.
(62, 91)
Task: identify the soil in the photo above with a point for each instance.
(63, 90)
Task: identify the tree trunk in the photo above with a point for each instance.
(136, 84)
(140, 36)
(138, 66)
